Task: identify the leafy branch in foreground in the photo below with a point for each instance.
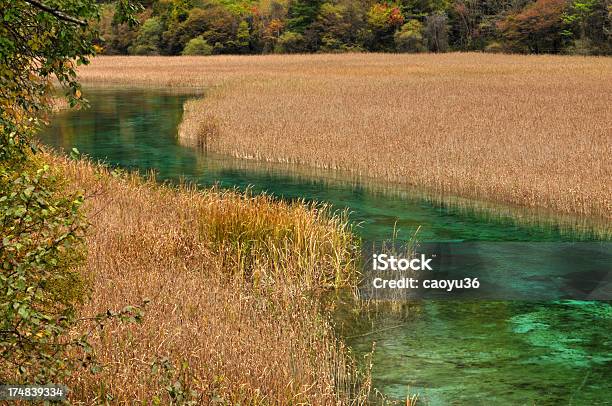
(57, 13)
(42, 227)
(41, 247)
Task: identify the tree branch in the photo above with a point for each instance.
(57, 13)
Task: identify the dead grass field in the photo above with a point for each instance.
(234, 316)
(527, 130)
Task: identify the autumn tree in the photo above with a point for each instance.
(266, 24)
(383, 21)
(334, 28)
(537, 28)
(468, 24)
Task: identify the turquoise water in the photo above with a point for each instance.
(450, 352)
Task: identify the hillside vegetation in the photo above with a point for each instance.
(204, 27)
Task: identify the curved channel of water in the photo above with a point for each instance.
(450, 352)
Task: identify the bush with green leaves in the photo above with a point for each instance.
(410, 37)
(198, 46)
(41, 224)
(290, 42)
(42, 244)
(149, 38)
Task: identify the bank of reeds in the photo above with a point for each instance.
(526, 130)
(233, 281)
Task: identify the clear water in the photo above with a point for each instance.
(449, 352)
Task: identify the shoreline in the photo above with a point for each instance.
(218, 117)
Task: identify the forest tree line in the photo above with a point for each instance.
(206, 27)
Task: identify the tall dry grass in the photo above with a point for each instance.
(526, 130)
(234, 317)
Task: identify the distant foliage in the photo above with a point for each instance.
(538, 28)
(289, 26)
(588, 26)
(290, 42)
(149, 38)
(410, 37)
(436, 33)
(337, 28)
(198, 46)
(301, 14)
(383, 20)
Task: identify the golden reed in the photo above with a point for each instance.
(526, 130)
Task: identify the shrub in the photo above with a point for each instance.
(410, 37)
(198, 46)
(144, 50)
(149, 38)
(290, 42)
(331, 44)
(494, 47)
(41, 226)
(41, 246)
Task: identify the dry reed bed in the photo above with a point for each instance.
(231, 278)
(526, 130)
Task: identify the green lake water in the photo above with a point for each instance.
(449, 351)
